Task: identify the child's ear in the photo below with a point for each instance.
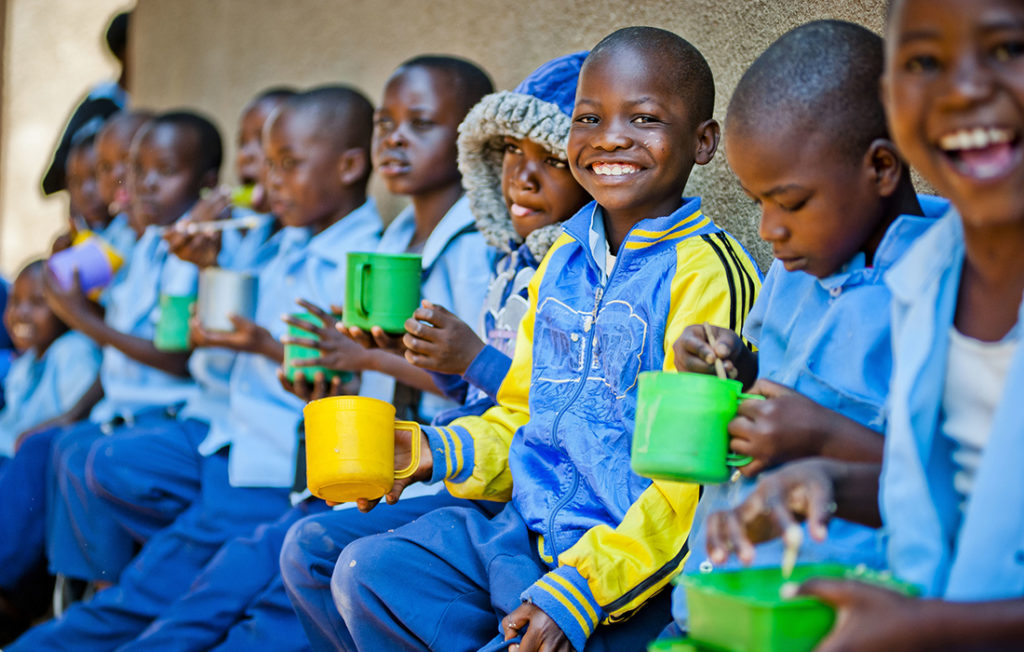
(708, 136)
(885, 164)
(353, 165)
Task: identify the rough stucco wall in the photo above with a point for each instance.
(53, 52)
(215, 54)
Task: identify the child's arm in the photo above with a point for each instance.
(790, 426)
(77, 412)
(248, 337)
(75, 310)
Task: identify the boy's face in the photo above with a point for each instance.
(27, 318)
(633, 140)
(303, 174)
(538, 187)
(83, 189)
(818, 208)
(165, 177)
(954, 93)
(414, 132)
(249, 161)
(113, 159)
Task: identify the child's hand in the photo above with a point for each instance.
(340, 351)
(403, 456)
(215, 204)
(868, 617)
(375, 339)
(71, 305)
(62, 242)
(248, 337)
(800, 490)
(439, 341)
(696, 354)
(319, 388)
(786, 426)
(200, 248)
(538, 630)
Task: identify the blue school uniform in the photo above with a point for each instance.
(245, 462)
(41, 388)
(983, 557)
(457, 265)
(828, 339)
(120, 235)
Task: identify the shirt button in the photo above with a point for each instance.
(835, 292)
(575, 337)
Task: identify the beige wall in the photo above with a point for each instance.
(53, 51)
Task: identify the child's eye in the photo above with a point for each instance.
(420, 123)
(921, 63)
(1008, 51)
(645, 119)
(512, 148)
(792, 208)
(288, 163)
(586, 119)
(557, 163)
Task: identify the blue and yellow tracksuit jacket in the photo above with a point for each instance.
(558, 442)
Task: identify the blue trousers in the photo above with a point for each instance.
(164, 568)
(85, 539)
(313, 545)
(238, 602)
(23, 509)
(469, 572)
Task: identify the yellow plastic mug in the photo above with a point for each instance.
(350, 448)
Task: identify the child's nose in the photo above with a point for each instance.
(526, 176)
(968, 81)
(611, 135)
(771, 228)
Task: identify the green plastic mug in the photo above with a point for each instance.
(172, 328)
(681, 430)
(382, 290)
(293, 352)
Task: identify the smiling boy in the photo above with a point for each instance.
(584, 544)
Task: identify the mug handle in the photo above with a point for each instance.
(413, 429)
(362, 272)
(735, 459)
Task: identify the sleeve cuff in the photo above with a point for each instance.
(563, 595)
(488, 369)
(452, 450)
(453, 386)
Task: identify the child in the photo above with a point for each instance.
(87, 210)
(239, 472)
(612, 294)
(950, 482)
(808, 142)
(528, 168)
(113, 159)
(47, 381)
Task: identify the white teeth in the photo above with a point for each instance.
(614, 169)
(976, 138)
(21, 330)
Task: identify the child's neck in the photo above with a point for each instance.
(351, 202)
(902, 202)
(991, 281)
(617, 224)
(429, 209)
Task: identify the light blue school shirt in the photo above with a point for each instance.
(457, 267)
(38, 389)
(262, 423)
(133, 308)
(983, 558)
(828, 339)
(120, 235)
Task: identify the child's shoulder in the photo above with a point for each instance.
(72, 345)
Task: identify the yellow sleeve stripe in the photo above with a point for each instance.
(445, 435)
(564, 601)
(457, 460)
(547, 559)
(640, 233)
(574, 592)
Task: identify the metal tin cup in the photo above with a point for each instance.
(222, 293)
(681, 430)
(382, 290)
(293, 352)
(172, 328)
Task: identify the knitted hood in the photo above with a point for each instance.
(539, 109)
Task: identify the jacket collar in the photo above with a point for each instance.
(924, 265)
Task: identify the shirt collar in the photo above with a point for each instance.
(364, 222)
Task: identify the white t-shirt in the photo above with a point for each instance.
(975, 378)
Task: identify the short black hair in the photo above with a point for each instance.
(210, 148)
(677, 59)
(469, 80)
(343, 115)
(117, 34)
(35, 266)
(823, 74)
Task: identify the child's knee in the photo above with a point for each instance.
(358, 567)
(307, 545)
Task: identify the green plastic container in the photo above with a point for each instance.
(382, 290)
(293, 352)
(742, 611)
(172, 329)
(677, 645)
